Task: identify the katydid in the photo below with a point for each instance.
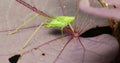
(53, 22)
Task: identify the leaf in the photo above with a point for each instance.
(78, 49)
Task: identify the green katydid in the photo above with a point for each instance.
(53, 22)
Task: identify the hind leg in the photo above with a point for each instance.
(22, 25)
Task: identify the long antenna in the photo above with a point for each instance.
(32, 8)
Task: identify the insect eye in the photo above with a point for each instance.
(97, 31)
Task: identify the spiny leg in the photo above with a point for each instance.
(29, 39)
(26, 22)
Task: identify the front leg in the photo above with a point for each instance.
(30, 38)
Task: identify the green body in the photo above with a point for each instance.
(60, 22)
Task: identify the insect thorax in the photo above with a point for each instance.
(60, 21)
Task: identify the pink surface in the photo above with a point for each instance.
(99, 49)
(114, 13)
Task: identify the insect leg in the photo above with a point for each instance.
(29, 39)
(26, 22)
(62, 34)
(71, 27)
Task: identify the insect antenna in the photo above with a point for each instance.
(62, 7)
(76, 14)
(33, 8)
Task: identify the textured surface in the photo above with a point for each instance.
(99, 49)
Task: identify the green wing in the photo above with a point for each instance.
(60, 21)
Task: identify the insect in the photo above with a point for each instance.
(52, 22)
